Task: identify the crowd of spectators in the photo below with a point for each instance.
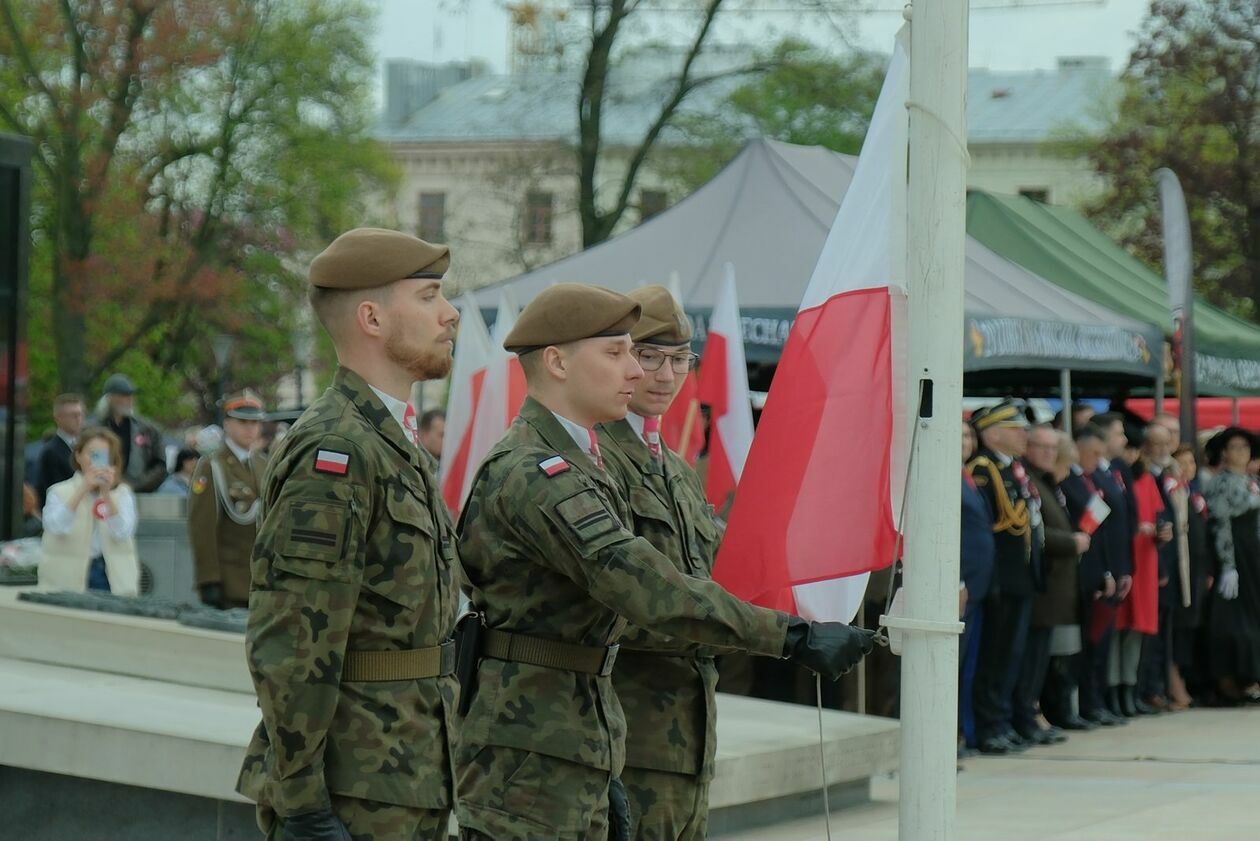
(1107, 573)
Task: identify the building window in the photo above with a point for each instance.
(651, 202)
(432, 225)
(1038, 194)
(539, 208)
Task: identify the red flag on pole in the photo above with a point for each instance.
(815, 513)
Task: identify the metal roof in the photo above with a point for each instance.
(1002, 107)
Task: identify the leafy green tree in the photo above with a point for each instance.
(807, 97)
(1190, 101)
(190, 156)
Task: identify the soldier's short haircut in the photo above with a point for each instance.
(335, 307)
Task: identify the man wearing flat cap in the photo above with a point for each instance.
(223, 505)
(556, 572)
(353, 592)
(1001, 478)
(666, 685)
(143, 453)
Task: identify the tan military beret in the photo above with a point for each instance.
(366, 258)
(568, 312)
(663, 321)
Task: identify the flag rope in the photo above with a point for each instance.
(822, 753)
(901, 515)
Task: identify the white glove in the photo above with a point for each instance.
(1228, 587)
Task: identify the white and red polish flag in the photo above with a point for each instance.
(816, 509)
(502, 394)
(468, 374)
(723, 388)
(682, 426)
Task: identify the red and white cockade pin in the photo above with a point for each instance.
(553, 466)
(331, 461)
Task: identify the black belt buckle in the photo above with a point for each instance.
(610, 657)
(447, 660)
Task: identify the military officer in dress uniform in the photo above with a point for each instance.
(223, 505)
(353, 592)
(665, 685)
(556, 572)
(1002, 479)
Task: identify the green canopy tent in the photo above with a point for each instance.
(1061, 246)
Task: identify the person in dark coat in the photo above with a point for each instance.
(54, 463)
(1116, 481)
(1096, 578)
(1002, 479)
(1051, 455)
(144, 455)
(976, 534)
(1191, 583)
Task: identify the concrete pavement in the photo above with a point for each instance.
(1192, 775)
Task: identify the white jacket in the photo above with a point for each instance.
(67, 556)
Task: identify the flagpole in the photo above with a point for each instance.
(935, 236)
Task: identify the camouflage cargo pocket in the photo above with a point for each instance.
(314, 540)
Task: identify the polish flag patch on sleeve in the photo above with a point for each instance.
(553, 466)
(331, 461)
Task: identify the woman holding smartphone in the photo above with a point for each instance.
(90, 523)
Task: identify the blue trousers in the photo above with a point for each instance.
(968, 659)
(98, 579)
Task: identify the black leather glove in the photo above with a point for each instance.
(314, 826)
(828, 648)
(212, 595)
(618, 811)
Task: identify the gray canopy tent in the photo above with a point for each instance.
(768, 213)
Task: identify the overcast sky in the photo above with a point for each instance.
(1025, 36)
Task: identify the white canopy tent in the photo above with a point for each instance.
(768, 213)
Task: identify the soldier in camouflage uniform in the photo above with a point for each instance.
(551, 564)
(223, 505)
(354, 594)
(665, 685)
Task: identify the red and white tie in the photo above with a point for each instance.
(409, 424)
(599, 460)
(652, 435)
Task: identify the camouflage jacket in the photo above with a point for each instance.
(221, 547)
(665, 685)
(547, 553)
(355, 551)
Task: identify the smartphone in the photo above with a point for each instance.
(100, 459)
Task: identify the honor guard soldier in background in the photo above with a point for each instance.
(553, 567)
(223, 505)
(1002, 479)
(665, 685)
(353, 593)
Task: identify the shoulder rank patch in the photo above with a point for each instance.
(199, 485)
(331, 461)
(553, 466)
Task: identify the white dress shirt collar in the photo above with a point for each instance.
(580, 434)
(396, 407)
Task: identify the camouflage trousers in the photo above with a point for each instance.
(369, 820)
(666, 806)
(506, 794)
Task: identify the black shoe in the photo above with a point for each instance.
(995, 746)
(1078, 723)
(1143, 708)
(1017, 742)
(1128, 703)
(1053, 736)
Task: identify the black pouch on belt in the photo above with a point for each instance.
(467, 656)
